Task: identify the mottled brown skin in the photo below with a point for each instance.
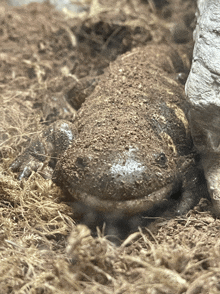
(132, 149)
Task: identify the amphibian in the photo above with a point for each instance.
(130, 148)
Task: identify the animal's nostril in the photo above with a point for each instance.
(80, 161)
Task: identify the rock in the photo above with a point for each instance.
(202, 89)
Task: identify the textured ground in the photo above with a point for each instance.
(46, 55)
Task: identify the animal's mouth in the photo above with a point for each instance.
(129, 207)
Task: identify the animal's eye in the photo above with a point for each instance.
(182, 77)
(161, 158)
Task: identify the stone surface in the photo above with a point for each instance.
(202, 89)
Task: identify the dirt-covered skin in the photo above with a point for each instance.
(44, 150)
(133, 150)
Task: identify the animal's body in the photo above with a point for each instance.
(130, 148)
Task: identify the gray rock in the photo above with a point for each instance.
(203, 93)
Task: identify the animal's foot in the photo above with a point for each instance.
(211, 164)
(45, 149)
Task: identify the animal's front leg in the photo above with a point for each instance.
(44, 150)
(211, 163)
(193, 189)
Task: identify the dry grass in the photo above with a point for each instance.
(42, 250)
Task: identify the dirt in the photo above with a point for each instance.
(45, 55)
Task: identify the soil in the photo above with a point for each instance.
(48, 56)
